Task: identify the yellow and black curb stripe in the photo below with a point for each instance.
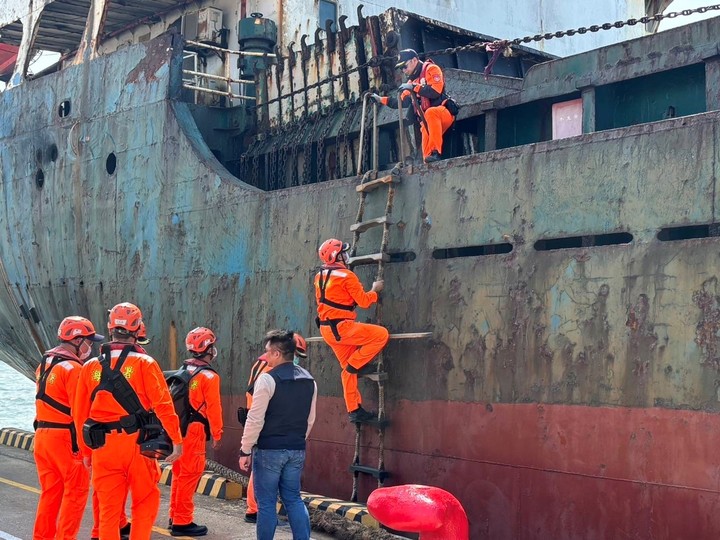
(210, 484)
(350, 511)
(17, 438)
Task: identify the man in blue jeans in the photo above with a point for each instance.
(278, 422)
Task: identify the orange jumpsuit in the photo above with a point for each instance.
(358, 343)
(429, 87)
(118, 466)
(64, 481)
(259, 367)
(204, 393)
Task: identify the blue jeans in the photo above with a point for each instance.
(279, 471)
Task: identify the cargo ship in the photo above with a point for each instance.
(560, 260)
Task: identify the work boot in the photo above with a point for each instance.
(169, 524)
(360, 415)
(191, 529)
(367, 368)
(250, 517)
(125, 531)
(433, 157)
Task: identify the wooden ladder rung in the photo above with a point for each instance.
(370, 223)
(381, 475)
(371, 258)
(378, 182)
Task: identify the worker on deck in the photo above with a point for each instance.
(111, 433)
(338, 292)
(259, 367)
(424, 94)
(64, 481)
(206, 423)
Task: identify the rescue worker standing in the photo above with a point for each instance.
(338, 292)
(427, 84)
(279, 421)
(206, 423)
(117, 464)
(259, 367)
(64, 481)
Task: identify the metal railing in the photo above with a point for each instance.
(198, 77)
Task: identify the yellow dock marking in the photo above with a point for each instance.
(31, 489)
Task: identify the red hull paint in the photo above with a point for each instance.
(535, 471)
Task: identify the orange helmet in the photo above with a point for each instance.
(125, 316)
(74, 327)
(142, 334)
(199, 340)
(331, 249)
(300, 345)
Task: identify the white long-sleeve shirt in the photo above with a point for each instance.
(262, 394)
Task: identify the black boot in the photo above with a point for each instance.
(250, 517)
(366, 369)
(191, 529)
(433, 157)
(125, 531)
(360, 415)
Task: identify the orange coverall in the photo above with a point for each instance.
(259, 367)
(359, 343)
(118, 466)
(64, 481)
(428, 87)
(204, 393)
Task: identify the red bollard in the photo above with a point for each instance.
(430, 511)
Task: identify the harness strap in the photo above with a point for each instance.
(333, 324)
(70, 426)
(322, 285)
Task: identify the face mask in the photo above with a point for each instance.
(85, 350)
(344, 257)
(296, 360)
(214, 353)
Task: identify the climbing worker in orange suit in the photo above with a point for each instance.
(124, 523)
(426, 84)
(114, 433)
(338, 292)
(64, 481)
(206, 423)
(259, 367)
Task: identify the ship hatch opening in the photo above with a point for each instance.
(111, 163)
(590, 240)
(401, 256)
(40, 179)
(688, 232)
(472, 251)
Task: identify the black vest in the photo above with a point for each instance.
(287, 413)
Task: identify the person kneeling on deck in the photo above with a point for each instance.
(121, 404)
(435, 112)
(338, 292)
(278, 423)
(64, 480)
(205, 423)
(259, 367)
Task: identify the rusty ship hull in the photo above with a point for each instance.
(569, 388)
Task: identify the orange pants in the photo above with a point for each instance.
(64, 486)
(96, 515)
(251, 500)
(116, 468)
(438, 121)
(359, 344)
(186, 473)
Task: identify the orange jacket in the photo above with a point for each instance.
(147, 379)
(429, 86)
(341, 287)
(60, 385)
(204, 393)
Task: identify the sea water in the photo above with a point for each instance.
(17, 399)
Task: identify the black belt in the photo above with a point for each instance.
(333, 324)
(57, 425)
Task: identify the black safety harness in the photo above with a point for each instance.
(332, 323)
(55, 404)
